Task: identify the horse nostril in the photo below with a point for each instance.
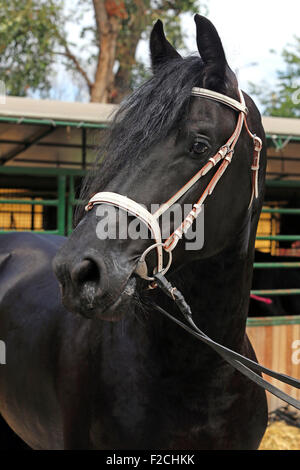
(88, 271)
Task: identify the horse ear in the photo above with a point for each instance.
(160, 48)
(212, 53)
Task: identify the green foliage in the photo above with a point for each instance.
(33, 40)
(28, 34)
(284, 98)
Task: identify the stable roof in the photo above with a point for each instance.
(53, 110)
(66, 134)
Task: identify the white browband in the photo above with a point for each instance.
(224, 155)
(213, 95)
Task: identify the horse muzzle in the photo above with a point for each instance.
(94, 290)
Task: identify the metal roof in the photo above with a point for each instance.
(52, 110)
(281, 126)
(100, 113)
(46, 132)
(66, 134)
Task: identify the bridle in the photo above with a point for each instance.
(246, 366)
(223, 155)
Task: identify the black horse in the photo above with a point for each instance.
(115, 374)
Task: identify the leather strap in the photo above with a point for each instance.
(224, 154)
(243, 364)
(135, 209)
(213, 95)
(240, 363)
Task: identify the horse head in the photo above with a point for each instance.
(162, 135)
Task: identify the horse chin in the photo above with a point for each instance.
(116, 311)
(113, 312)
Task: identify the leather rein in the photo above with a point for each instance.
(246, 366)
(249, 368)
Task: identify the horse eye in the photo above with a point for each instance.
(199, 148)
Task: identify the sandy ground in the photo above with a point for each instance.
(281, 436)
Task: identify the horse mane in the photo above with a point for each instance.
(143, 119)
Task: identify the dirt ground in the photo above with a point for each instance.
(283, 432)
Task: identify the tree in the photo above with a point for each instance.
(28, 34)
(284, 98)
(38, 41)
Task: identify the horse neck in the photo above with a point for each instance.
(217, 290)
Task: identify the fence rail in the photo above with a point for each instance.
(282, 264)
(63, 202)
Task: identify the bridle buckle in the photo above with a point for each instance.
(142, 269)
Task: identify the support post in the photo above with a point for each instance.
(83, 148)
(70, 205)
(61, 208)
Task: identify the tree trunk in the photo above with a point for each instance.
(126, 50)
(122, 79)
(109, 14)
